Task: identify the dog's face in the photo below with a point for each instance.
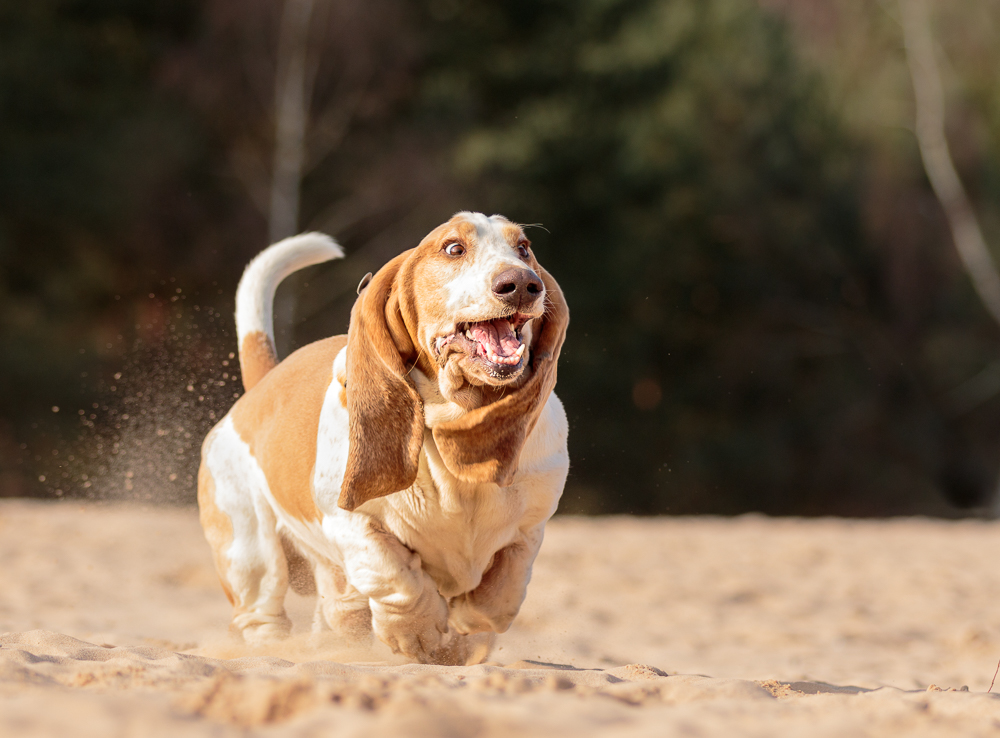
(472, 306)
(478, 289)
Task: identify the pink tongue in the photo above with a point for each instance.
(497, 336)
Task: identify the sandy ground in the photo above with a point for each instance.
(114, 625)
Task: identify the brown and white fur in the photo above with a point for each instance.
(408, 468)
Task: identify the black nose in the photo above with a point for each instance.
(519, 288)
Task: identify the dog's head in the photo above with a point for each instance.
(472, 309)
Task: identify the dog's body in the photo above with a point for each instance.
(412, 464)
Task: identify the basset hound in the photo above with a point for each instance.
(405, 471)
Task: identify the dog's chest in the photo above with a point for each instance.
(455, 527)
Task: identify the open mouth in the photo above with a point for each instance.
(497, 341)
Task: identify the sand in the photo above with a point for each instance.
(114, 624)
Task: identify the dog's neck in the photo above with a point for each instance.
(440, 407)
(447, 398)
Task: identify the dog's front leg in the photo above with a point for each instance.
(494, 604)
(408, 613)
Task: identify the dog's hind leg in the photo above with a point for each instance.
(300, 571)
(258, 576)
(241, 527)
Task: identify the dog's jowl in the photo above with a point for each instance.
(404, 471)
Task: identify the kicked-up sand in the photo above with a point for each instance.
(113, 624)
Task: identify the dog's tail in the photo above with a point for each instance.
(255, 297)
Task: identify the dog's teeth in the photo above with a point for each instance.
(468, 334)
(520, 351)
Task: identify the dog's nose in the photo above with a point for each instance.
(519, 288)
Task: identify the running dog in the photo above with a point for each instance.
(408, 468)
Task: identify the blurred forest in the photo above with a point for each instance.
(768, 310)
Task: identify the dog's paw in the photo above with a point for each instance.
(468, 617)
(256, 629)
(414, 629)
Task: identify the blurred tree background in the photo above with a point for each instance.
(768, 312)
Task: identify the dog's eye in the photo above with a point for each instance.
(522, 249)
(454, 249)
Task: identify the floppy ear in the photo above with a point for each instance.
(386, 417)
(484, 445)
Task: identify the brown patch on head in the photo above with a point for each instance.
(279, 420)
(456, 229)
(513, 233)
(423, 283)
(257, 358)
(217, 526)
